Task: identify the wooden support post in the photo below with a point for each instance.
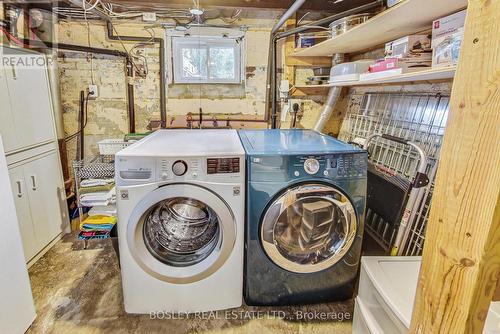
(461, 258)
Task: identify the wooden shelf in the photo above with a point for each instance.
(407, 17)
(427, 75)
(310, 86)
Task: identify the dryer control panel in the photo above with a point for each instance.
(331, 166)
(347, 165)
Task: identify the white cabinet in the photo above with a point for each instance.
(28, 131)
(23, 211)
(17, 310)
(7, 125)
(28, 96)
(45, 194)
(38, 196)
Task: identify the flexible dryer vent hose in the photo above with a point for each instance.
(331, 100)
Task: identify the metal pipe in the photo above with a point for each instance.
(271, 77)
(161, 42)
(329, 19)
(80, 151)
(130, 95)
(293, 8)
(271, 62)
(110, 52)
(274, 116)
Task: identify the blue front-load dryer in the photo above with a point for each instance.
(305, 210)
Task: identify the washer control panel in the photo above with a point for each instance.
(223, 165)
(141, 170)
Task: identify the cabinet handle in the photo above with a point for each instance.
(33, 182)
(19, 189)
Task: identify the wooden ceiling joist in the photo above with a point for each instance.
(319, 5)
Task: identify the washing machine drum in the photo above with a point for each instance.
(181, 231)
(309, 228)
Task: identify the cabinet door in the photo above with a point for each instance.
(30, 98)
(19, 191)
(7, 125)
(44, 187)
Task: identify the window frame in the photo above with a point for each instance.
(206, 42)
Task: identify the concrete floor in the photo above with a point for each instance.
(78, 290)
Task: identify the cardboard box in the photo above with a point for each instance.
(408, 45)
(447, 35)
(404, 63)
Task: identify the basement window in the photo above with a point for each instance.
(206, 60)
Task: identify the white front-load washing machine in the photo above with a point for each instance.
(180, 200)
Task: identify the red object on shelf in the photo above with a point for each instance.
(384, 65)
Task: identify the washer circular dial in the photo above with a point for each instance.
(179, 168)
(311, 166)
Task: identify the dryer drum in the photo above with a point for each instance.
(309, 228)
(181, 231)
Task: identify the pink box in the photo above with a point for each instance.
(384, 65)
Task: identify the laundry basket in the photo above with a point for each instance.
(111, 146)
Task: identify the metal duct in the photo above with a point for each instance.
(293, 8)
(271, 63)
(331, 100)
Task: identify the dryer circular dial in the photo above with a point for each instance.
(311, 166)
(179, 168)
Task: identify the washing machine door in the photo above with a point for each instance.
(308, 228)
(181, 233)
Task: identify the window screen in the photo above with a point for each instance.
(206, 60)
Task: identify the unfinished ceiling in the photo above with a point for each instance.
(329, 5)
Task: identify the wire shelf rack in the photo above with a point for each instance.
(420, 118)
(106, 161)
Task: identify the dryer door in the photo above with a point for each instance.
(308, 228)
(181, 233)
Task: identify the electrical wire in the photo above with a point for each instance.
(303, 17)
(91, 7)
(70, 137)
